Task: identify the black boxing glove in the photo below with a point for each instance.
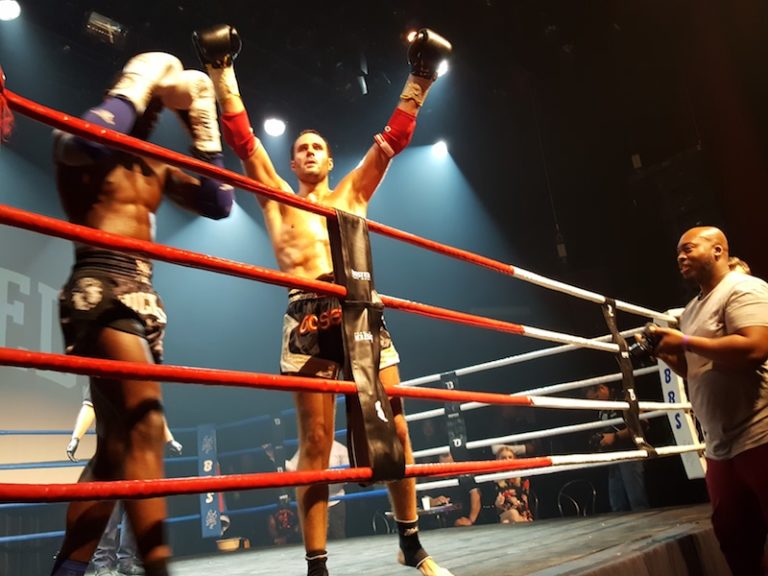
(595, 441)
(425, 53)
(217, 46)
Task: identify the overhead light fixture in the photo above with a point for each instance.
(274, 127)
(9, 10)
(361, 82)
(440, 149)
(105, 30)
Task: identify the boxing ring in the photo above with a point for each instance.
(652, 540)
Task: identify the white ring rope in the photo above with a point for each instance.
(610, 457)
(563, 338)
(579, 404)
(586, 383)
(573, 385)
(536, 434)
(545, 282)
(565, 462)
(527, 472)
(517, 359)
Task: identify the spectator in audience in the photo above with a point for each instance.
(511, 496)
(465, 497)
(626, 480)
(738, 265)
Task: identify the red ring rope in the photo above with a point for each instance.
(129, 144)
(120, 369)
(123, 489)
(111, 368)
(77, 233)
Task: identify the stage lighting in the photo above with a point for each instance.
(274, 127)
(106, 30)
(9, 9)
(440, 149)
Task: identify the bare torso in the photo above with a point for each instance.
(300, 238)
(119, 195)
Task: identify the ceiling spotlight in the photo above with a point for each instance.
(440, 149)
(274, 127)
(106, 30)
(9, 9)
(362, 84)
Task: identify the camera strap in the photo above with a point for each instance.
(632, 415)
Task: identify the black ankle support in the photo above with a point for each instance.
(316, 560)
(413, 553)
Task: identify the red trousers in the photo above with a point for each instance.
(738, 489)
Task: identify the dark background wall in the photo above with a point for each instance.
(607, 127)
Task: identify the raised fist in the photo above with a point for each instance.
(217, 46)
(425, 53)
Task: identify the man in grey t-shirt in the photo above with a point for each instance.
(722, 349)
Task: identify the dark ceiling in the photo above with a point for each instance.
(319, 49)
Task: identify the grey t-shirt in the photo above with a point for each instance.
(730, 403)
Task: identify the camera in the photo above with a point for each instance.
(643, 348)
(594, 441)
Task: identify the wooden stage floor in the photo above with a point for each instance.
(658, 542)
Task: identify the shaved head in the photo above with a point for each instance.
(702, 255)
(710, 234)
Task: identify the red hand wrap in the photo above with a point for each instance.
(397, 133)
(238, 134)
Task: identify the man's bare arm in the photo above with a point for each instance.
(745, 347)
(212, 201)
(217, 48)
(366, 177)
(257, 163)
(676, 362)
(426, 52)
